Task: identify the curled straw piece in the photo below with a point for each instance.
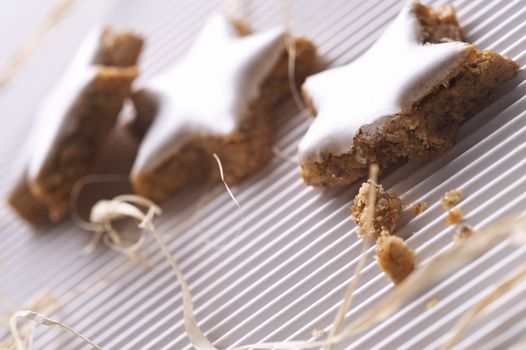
(44, 304)
(104, 212)
(25, 342)
(102, 230)
(290, 46)
(144, 211)
(222, 175)
(347, 300)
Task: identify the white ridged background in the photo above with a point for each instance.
(283, 274)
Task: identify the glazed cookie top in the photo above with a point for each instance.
(209, 90)
(52, 115)
(394, 73)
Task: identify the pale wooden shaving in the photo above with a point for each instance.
(197, 337)
(25, 333)
(122, 206)
(46, 303)
(129, 206)
(25, 341)
(222, 175)
(110, 210)
(26, 51)
(501, 289)
(290, 46)
(98, 233)
(368, 225)
(347, 299)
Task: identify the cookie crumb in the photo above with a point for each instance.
(431, 303)
(418, 208)
(396, 259)
(464, 231)
(451, 199)
(454, 216)
(386, 211)
(318, 333)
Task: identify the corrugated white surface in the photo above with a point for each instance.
(284, 273)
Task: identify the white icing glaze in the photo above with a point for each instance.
(54, 119)
(209, 90)
(394, 73)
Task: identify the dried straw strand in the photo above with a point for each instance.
(422, 278)
(501, 289)
(290, 46)
(25, 342)
(112, 209)
(33, 43)
(222, 175)
(368, 224)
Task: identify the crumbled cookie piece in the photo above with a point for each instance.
(396, 259)
(27, 206)
(454, 216)
(464, 231)
(451, 199)
(386, 212)
(418, 208)
(74, 121)
(431, 303)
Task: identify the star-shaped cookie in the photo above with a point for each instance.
(402, 99)
(74, 120)
(217, 99)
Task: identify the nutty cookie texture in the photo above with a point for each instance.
(386, 210)
(404, 99)
(396, 259)
(219, 98)
(73, 122)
